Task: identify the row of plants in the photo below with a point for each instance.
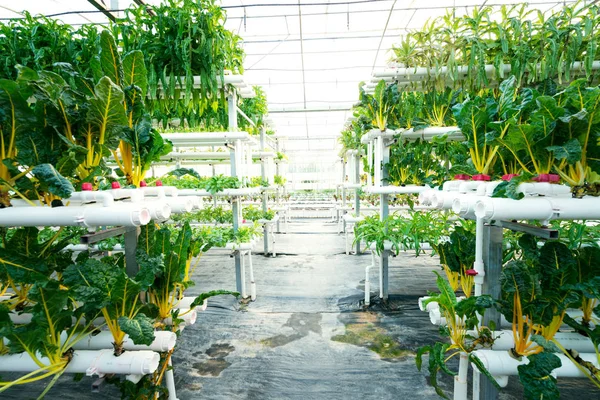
(403, 232)
(220, 215)
(540, 281)
(187, 51)
(71, 296)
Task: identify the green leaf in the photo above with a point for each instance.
(481, 367)
(106, 113)
(52, 181)
(140, 328)
(536, 378)
(134, 71)
(199, 300)
(570, 151)
(110, 60)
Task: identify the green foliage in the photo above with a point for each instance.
(183, 39)
(536, 376)
(401, 232)
(380, 105)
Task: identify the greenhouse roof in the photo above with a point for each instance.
(309, 55)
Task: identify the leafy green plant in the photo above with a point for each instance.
(380, 105)
(104, 288)
(461, 316)
(457, 256)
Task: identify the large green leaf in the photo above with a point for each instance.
(106, 113)
(570, 151)
(15, 115)
(110, 61)
(140, 328)
(536, 377)
(52, 181)
(134, 71)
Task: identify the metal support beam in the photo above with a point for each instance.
(235, 203)
(131, 239)
(263, 175)
(102, 8)
(492, 260)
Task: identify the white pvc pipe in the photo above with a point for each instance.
(170, 381)
(106, 198)
(134, 194)
(192, 139)
(540, 208)
(180, 204)
(432, 304)
(478, 265)
(367, 280)
(396, 189)
(501, 363)
(74, 216)
(188, 316)
(85, 247)
(90, 362)
(159, 210)
(471, 186)
(187, 301)
(504, 340)
(460, 380)
(163, 341)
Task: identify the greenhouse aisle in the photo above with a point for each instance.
(307, 335)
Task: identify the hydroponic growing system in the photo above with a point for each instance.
(131, 151)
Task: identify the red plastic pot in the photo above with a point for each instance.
(508, 177)
(481, 177)
(462, 177)
(552, 178)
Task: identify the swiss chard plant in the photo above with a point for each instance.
(380, 105)
(457, 256)
(461, 317)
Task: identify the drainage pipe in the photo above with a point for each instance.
(181, 204)
(74, 216)
(159, 191)
(90, 362)
(501, 363)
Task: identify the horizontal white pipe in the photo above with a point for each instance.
(180, 205)
(471, 186)
(90, 362)
(187, 301)
(416, 72)
(159, 210)
(375, 133)
(501, 363)
(504, 340)
(437, 319)
(226, 192)
(396, 189)
(159, 191)
(88, 196)
(188, 316)
(85, 247)
(465, 206)
(539, 208)
(192, 139)
(163, 341)
(197, 155)
(74, 216)
(134, 194)
(432, 304)
(453, 133)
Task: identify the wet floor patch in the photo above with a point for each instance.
(301, 324)
(364, 329)
(214, 360)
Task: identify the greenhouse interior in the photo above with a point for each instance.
(312, 199)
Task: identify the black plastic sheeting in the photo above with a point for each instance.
(307, 336)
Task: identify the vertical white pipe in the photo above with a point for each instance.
(460, 380)
(252, 283)
(478, 264)
(243, 273)
(378, 261)
(370, 159)
(170, 381)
